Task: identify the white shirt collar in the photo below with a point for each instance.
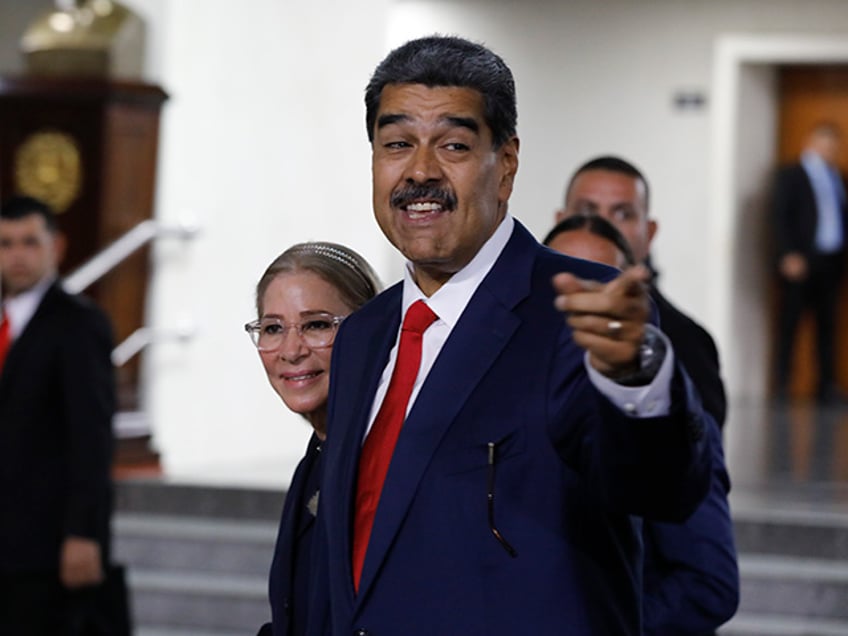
(22, 307)
(450, 299)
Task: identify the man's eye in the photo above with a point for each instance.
(455, 145)
(396, 144)
(317, 325)
(622, 215)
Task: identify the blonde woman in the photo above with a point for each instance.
(301, 299)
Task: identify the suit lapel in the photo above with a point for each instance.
(284, 555)
(295, 519)
(476, 341)
(29, 338)
(368, 351)
(309, 490)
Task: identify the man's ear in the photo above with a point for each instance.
(509, 163)
(652, 230)
(559, 215)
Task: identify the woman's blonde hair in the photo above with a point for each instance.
(340, 266)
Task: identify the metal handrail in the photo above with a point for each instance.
(144, 336)
(107, 259)
(113, 255)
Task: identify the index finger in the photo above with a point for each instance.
(630, 282)
(567, 283)
(614, 298)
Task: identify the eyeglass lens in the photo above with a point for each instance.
(270, 333)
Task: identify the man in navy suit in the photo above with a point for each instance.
(809, 225)
(614, 189)
(691, 584)
(544, 411)
(57, 397)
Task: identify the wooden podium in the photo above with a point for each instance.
(88, 146)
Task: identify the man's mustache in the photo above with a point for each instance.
(423, 192)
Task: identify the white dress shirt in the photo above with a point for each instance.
(451, 299)
(20, 309)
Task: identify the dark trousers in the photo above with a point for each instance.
(818, 293)
(38, 605)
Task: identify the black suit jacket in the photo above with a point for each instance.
(696, 350)
(57, 399)
(796, 212)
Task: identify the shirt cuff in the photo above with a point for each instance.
(650, 400)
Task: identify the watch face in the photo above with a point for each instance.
(48, 167)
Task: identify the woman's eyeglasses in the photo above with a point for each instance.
(268, 334)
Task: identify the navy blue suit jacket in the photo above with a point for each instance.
(691, 574)
(288, 583)
(570, 468)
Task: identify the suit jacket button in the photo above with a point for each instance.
(286, 606)
(361, 632)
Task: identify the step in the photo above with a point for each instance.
(198, 602)
(749, 624)
(180, 544)
(161, 497)
(794, 587)
(176, 631)
(795, 533)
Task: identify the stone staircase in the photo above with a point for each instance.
(197, 557)
(793, 564)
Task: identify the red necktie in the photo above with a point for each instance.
(5, 339)
(380, 443)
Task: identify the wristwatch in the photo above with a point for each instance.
(651, 356)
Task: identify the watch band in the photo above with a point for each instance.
(651, 355)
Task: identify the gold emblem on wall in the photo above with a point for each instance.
(48, 166)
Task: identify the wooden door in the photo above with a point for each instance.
(809, 94)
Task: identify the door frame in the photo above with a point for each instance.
(743, 132)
